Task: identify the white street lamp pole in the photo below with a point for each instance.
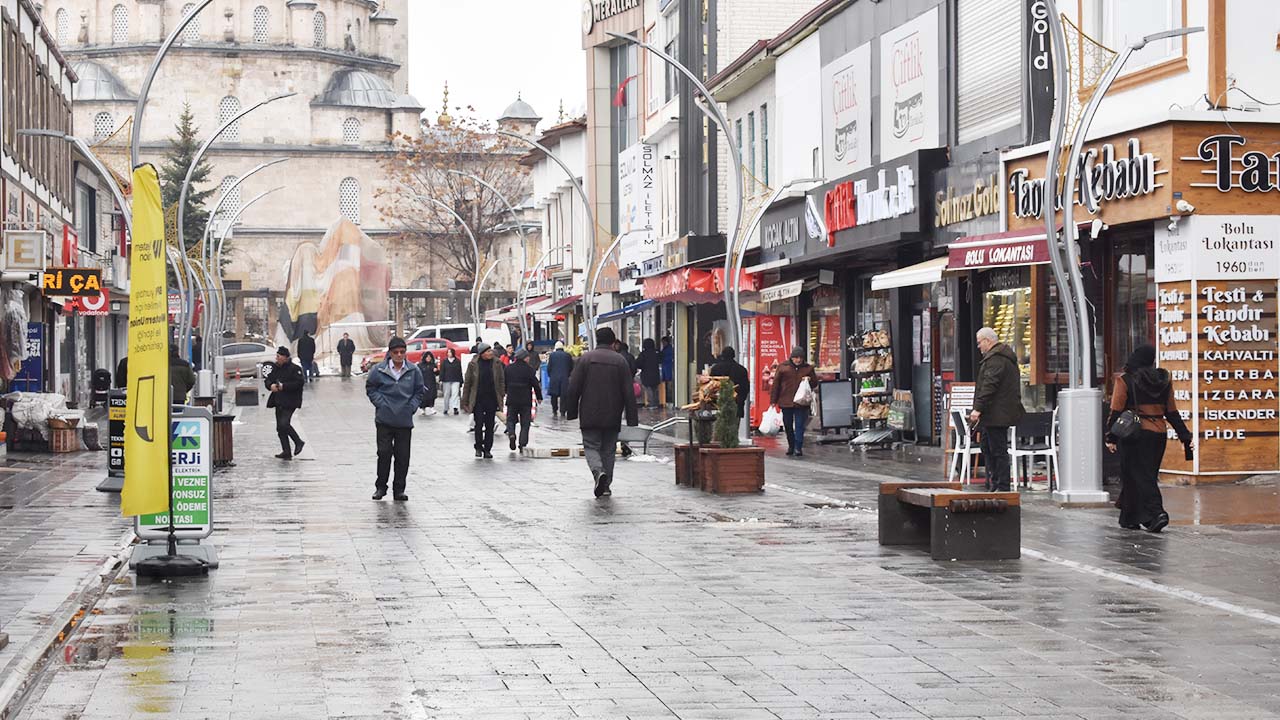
(588, 301)
(1080, 406)
(525, 332)
(475, 285)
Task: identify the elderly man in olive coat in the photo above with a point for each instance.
(997, 405)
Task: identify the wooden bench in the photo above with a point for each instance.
(956, 525)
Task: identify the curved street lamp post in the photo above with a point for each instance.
(588, 301)
(1080, 406)
(475, 285)
(525, 332)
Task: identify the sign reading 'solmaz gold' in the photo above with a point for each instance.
(952, 206)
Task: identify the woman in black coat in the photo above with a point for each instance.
(428, 367)
(650, 366)
(1148, 391)
(451, 379)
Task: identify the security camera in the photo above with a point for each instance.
(1173, 223)
(1185, 207)
(1096, 227)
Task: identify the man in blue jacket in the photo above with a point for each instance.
(395, 388)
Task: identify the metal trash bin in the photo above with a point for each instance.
(223, 440)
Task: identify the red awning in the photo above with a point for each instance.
(1019, 247)
(693, 285)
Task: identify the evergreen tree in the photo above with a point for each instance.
(173, 170)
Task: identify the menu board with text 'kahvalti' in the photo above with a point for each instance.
(1216, 333)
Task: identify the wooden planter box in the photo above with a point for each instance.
(686, 454)
(732, 470)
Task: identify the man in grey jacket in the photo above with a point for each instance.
(395, 388)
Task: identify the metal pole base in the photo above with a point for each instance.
(149, 552)
(164, 566)
(1080, 449)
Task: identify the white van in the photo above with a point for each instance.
(464, 333)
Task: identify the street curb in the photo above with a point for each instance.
(35, 656)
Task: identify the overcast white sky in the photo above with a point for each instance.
(490, 50)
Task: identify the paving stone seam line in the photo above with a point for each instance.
(1170, 590)
(31, 665)
(1164, 589)
(566, 615)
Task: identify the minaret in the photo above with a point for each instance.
(445, 120)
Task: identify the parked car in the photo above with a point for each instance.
(247, 358)
(415, 349)
(464, 334)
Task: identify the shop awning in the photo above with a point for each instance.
(923, 273)
(1016, 247)
(553, 307)
(632, 309)
(781, 291)
(694, 285)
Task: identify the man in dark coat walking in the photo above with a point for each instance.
(484, 391)
(997, 404)
(395, 388)
(284, 380)
(181, 377)
(650, 365)
(600, 391)
(729, 367)
(346, 351)
(559, 366)
(522, 388)
(307, 355)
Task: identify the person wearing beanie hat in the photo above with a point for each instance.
(601, 390)
(483, 392)
(786, 383)
(395, 387)
(285, 381)
(522, 388)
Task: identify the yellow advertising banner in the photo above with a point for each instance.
(146, 437)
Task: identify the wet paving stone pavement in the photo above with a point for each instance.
(503, 589)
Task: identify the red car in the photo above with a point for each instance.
(415, 349)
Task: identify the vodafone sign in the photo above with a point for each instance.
(99, 305)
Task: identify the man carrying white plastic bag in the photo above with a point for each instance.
(793, 393)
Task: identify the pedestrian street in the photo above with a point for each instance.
(503, 589)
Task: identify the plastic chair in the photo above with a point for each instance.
(963, 448)
(1035, 436)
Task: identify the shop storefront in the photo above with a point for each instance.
(1185, 257)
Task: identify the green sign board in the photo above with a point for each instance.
(191, 440)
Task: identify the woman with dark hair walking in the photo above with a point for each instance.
(1148, 392)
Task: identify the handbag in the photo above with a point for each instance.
(1127, 423)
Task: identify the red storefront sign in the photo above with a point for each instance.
(841, 210)
(693, 285)
(772, 348)
(92, 306)
(998, 250)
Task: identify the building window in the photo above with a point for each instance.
(228, 108)
(1120, 24)
(351, 131)
(230, 206)
(319, 30)
(349, 199)
(103, 126)
(672, 76)
(63, 26)
(764, 143)
(192, 32)
(119, 24)
(751, 143)
(737, 133)
(260, 18)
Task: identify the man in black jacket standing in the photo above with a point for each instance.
(307, 355)
(285, 383)
(522, 388)
(997, 404)
(729, 367)
(346, 351)
(600, 390)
